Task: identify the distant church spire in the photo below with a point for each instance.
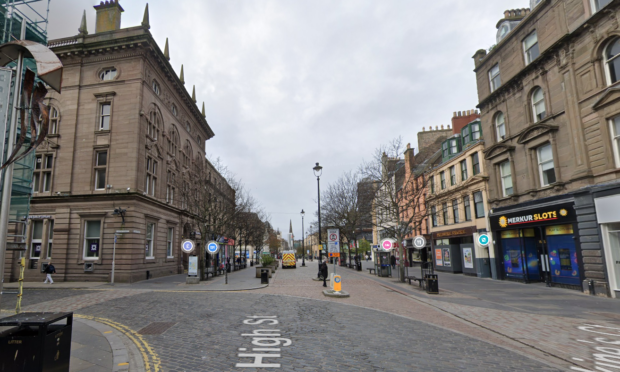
(145, 20)
(83, 30)
(166, 51)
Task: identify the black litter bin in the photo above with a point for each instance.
(432, 283)
(264, 276)
(36, 343)
(358, 266)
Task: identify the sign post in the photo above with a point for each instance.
(333, 239)
(483, 239)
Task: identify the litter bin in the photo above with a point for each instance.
(432, 283)
(34, 343)
(358, 266)
(264, 276)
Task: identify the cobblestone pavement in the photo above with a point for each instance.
(390, 327)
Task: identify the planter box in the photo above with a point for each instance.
(258, 268)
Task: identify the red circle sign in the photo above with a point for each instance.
(387, 245)
(333, 237)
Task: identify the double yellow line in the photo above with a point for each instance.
(150, 357)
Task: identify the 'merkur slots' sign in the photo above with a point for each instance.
(553, 214)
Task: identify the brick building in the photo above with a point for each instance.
(548, 95)
(125, 136)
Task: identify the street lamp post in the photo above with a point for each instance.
(303, 247)
(318, 171)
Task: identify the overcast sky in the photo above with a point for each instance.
(289, 83)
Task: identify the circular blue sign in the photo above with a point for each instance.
(337, 279)
(483, 239)
(187, 246)
(213, 247)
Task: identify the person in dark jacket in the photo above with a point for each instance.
(393, 261)
(49, 270)
(324, 272)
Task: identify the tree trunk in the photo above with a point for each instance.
(201, 259)
(401, 267)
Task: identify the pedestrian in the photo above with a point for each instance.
(323, 272)
(393, 261)
(367, 257)
(49, 270)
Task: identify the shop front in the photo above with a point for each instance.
(453, 251)
(609, 220)
(538, 245)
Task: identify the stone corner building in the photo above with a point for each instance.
(549, 100)
(124, 134)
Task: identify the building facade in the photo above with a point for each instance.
(125, 140)
(457, 203)
(548, 95)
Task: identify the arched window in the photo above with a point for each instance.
(173, 141)
(612, 61)
(500, 125)
(538, 105)
(175, 112)
(187, 153)
(188, 127)
(200, 143)
(54, 120)
(154, 125)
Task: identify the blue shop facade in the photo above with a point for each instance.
(536, 242)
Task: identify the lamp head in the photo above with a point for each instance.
(303, 213)
(318, 170)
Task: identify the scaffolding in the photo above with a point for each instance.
(34, 12)
(12, 13)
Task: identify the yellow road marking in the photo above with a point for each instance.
(107, 332)
(123, 364)
(148, 355)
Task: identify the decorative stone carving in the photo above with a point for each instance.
(497, 150)
(535, 131)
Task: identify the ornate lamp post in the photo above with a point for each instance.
(318, 171)
(303, 248)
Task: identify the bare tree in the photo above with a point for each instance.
(398, 195)
(342, 208)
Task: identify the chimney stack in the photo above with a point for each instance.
(462, 118)
(108, 16)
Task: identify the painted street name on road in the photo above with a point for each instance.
(267, 340)
(605, 355)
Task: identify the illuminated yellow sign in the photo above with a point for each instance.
(559, 230)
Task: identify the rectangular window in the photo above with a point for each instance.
(467, 208)
(494, 78)
(463, 170)
(454, 149)
(104, 116)
(444, 211)
(442, 176)
(475, 131)
(37, 237)
(50, 238)
(615, 138)
(36, 181)
(479, 204)
(92, 239)
(530, 48)
(151, 176)
(506, 174)
(455, 210)
(545, 165)
(475, 163)
(169, 242)
(444, 149)
(434, 216)
(453, 175)
(150, 234)
(101, 163)
(432, 182)
(465, 135)
(42, 176)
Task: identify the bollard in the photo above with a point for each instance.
(337, 280)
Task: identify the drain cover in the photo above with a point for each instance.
(156, 328)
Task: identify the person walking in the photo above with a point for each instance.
(367, 257)
(323, 272)
(393, 261)
(49, 270)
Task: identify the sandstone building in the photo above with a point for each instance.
(126, 138)
(550, 105)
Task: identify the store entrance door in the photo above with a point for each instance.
(563, 262)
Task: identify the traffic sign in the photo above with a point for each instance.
(483, 239)
(333, 239)
(387, 244)
(187, 246)
(213, 247)
(419, 242)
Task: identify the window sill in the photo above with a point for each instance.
(53, 135)
(102, 131)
